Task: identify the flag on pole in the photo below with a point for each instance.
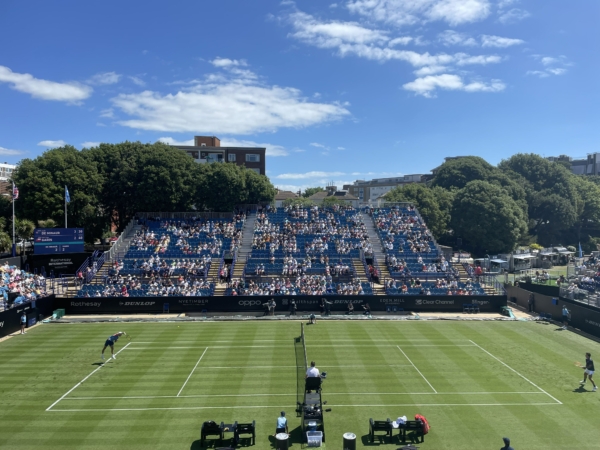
(67, 196)
(15, 192)
(580, 251)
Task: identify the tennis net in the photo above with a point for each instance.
(301, 365)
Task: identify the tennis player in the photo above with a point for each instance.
(110, 342)
(588, 371)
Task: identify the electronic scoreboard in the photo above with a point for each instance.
(57, 240)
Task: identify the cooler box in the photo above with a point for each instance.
(314, 438)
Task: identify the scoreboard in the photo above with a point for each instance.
(57, 240)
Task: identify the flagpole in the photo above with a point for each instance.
(66, 207)
(14, 245)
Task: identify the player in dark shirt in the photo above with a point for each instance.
(506, 444)
(588, 371)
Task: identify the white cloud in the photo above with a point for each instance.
(105, 78)
(550, 64)
(108, 113)
(404, 40)
(512, 16)
(9, 152)
(307, 175)
(426, 86)
(138, 81)
(430, 70)
(352, 39)
(233, 106)
(332, 34)
(498, 41)
(410, 12)
(171, 141)
(90, 144)
(226, 62)
(272, 149)
(341, 148)
(451, 37)
(52, 144)
(43, 89)
(316, 144)
(100, 124)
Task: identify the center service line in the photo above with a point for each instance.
(188, 378)
(417, 369)
(79, 384)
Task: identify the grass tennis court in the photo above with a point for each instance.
(474, 381)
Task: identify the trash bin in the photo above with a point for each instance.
(349, 441)
(282, 441)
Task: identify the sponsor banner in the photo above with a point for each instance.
(59, 264)
(131, 305)
(10, 320)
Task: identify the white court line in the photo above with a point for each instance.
(208, 341)
(181, 396)
(173, 408)
(522, 376)
(79, 384)
(188, 378)
(417, 369)
(291, 406)
(317, 345)
(295, 367)
(204, 346)
(152, 397)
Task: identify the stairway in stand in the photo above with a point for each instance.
(242, 255)
(384, 273)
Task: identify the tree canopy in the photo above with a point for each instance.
(109, 183)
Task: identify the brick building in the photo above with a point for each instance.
(208, 149)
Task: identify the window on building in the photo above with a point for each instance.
(231, 157)
(252, 157)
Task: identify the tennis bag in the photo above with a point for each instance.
(423, 420)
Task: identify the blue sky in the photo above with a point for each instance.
(336, 91)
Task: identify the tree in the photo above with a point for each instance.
(299, 201)
(426, 201)
(552, 198)
(24, 230)
(487, 218)
(332, 200)
(48, 223)
(260, 189)
(456, 173)
(42, 184)
(310, 191)
(220, 186)
(143, 177)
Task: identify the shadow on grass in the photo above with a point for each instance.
(295, 439)
(98, 364)
(215, 444)
(580, 389)
(378, 440)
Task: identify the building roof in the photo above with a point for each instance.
(319, 195)
(284, 195)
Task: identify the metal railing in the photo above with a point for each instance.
(115, 247)
(580, 295)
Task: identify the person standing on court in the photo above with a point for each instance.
(23, 322)
(588, 371)
(506, 444)
(565, 316)
(531, 302)
(282, 424)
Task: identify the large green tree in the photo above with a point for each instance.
(310, 191)
(42, 182)
(554, 204)
(487, 219)
(456, 173)
(143, 177)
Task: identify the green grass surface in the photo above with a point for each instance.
(474, 381)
